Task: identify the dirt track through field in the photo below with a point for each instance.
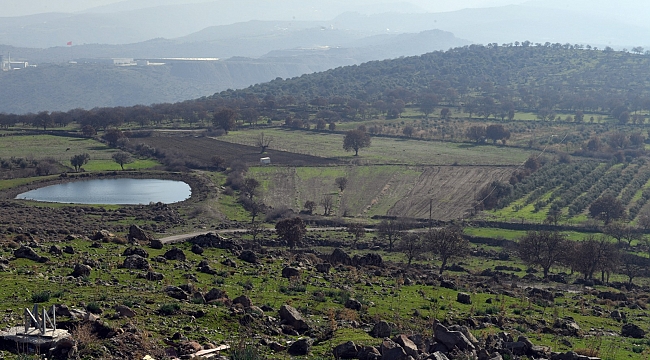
(451, 189)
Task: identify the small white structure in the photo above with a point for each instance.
(265, 161)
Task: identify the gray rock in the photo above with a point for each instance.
(323, 268)
(26, 252)
(390, 350)
(154, 276)
(68, 250)
(55, 250)
(448, 284)
(339, 256)
(452, 339)
(103, 235)
(124, 311)
(633, 331)
(381, 330)
(617, 315)
(135, 262)
(136, 251)
(176, 292)
(229, 262)
(247, 320)
(215, 294)
(197, 249)
(175, 254)
(570, 327)
(248, 256)
(409, 346)
(353, 304)
(81, 270)
(348, 350)
(300, 347)
(464, 298)
(156, 244)
(290, 316)
(438, 356)
(244, 300)
(368, 353)
(290, 272)
(137, 233)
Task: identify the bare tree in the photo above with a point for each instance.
(410, 245)
(543, 248)
(358, 230)
(309, 207)
(327, 202)
(448, 243)
(341, 182)
(591, 255)
(250, 187)
(263, 142)
(391, 230)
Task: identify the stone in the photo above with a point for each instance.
(55, 250)
(136, 233)
(452, 339)
(215, 294)
(348, 350)
(438, 356)
(248, 256)
(390, 350)
(197, 249)
(353, 304)
(103, 235)
(464, 298)
(290, 316)
(244, 300)
(277, 347)
(25, 252)
(516, 347)
(381, 330)
(135, 262)
(633, 331)
(541, 293)
(156, 244)
(197, 298)
(124, 311)
(246, 320)
(229, 262)
(300, 347)
(68, 250)
(176, 293)
(368, 353)
(409, 346)
(370, 259)
(339, 256)
(617, 315)
(154, 276)
(175, 254)
(136, 251)
(81, 270)
(448, 284)
(568, 325)
(323, 268)
(189, 347)
(290, 272)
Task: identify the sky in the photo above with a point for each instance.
(9, 8)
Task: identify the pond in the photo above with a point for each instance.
(112, 192)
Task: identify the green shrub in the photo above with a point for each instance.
(245, 352)
(41, 297)
(169, 309)
(94, 308)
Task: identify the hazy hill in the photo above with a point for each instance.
(67, 86)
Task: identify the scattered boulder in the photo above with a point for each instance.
(135, 262)
(197, 249)
(368, 353)
(390, 350)
(348, 350)
(464, 298)
(409, 346)
(448, 284)
(124, 311)
(300, 347)
(452, 339)
(136, 251)
(156, 244)
(137, 234)
(103, 235)
(26, 252)
(353, 304)
(176, 293)
(323, 268)
(381, 329)
(81, 270)
(212, 240)
(55, 250)
(339, 256)
(568, 326)
(175, 254)
(244, 300)
(290, 272)
(229, 262)
(541, 293)
(290, 316)
(68, 250)
(215, 294)
(370, 259)
(154, 276)
(633, 331)
(248, 256)
(617, 315)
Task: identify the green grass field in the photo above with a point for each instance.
(384, 150)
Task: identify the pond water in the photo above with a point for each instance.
(112, 192)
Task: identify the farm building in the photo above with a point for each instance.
(265, 161)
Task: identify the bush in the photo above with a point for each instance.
(245, 352)
(41, 297)
(94, 308)
(169, 309)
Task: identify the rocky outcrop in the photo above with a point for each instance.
(135, 262)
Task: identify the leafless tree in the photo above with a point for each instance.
(391, 230)
(341, 182)
(327, 202)
(263, 142)
(543, 248)
(448, 243)
(358, 230)
(410, 245)
(593, 254)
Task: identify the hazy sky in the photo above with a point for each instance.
(27, 7)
